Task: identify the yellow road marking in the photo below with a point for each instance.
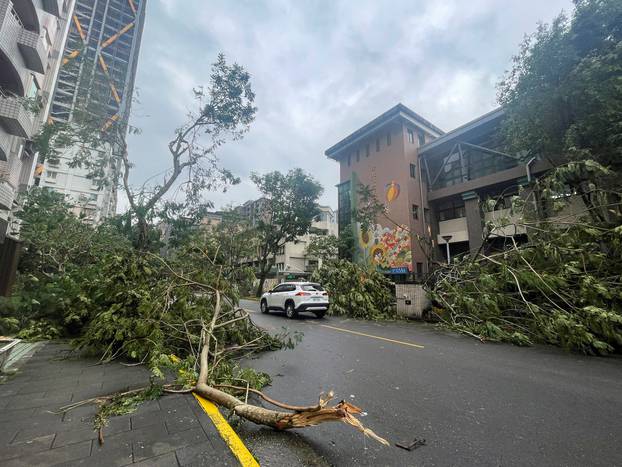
(227, 434)
(371, 336)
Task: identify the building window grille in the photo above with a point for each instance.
(421, 137)
(413, 170)
(411, 136)
(415, 209)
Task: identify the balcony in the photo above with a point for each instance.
(52, 7)
(7, 194)
(506, 224)
(5, 146)
(15, 119)
(456, 228)
(33, 50)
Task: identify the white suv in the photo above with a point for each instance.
(294, 297)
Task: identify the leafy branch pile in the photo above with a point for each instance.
(562, 287)
(355, 291)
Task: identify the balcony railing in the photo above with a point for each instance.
(456, 228)
(14, 117)
(5, 146)
(506, 224)
(33, 50)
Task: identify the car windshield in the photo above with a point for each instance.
(312, 287)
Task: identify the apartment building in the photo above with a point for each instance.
(433, 185)
(32, 35)
(292, 259)
(99, 66)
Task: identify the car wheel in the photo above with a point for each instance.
(290, 311)
(320, 314)
(263, 306)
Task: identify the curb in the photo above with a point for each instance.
(238, 448)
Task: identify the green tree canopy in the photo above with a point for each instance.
(563, 93)
(289, 207)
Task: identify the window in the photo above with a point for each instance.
(312, 288)
(411, 136)
(52, 175)
(415, 212)
(358, 155)
(282, 287)
(421, 137)
(413, 170)
(389, 138)
(377, 144)
(454, 211)
(419, 270)
(281, 250)
(93, 197)
(344, 206)
(367, 150)
(34, 87)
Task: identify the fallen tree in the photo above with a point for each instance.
(562, 286)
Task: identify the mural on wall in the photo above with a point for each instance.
(387, 249)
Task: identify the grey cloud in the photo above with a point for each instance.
(320, 70)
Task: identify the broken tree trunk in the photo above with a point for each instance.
(306, 416)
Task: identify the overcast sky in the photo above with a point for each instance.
(320, 70)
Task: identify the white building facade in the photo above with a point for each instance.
(32, 37)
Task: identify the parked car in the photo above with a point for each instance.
(296, 297)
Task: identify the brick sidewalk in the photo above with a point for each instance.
(171, 431)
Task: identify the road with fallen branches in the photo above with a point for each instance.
(474, 403)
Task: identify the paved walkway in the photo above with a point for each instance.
(171, 431)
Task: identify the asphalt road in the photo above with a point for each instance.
(475, 404)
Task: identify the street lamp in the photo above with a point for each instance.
(447, 238)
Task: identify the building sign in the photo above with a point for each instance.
(403, 270)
